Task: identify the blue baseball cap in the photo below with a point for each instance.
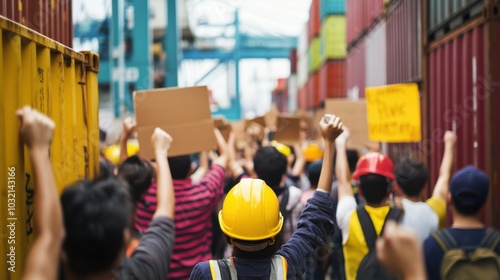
(469, 186)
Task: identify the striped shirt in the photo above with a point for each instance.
(194, 204)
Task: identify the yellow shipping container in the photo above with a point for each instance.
(62, 83)
(333, 38)
(314, 55)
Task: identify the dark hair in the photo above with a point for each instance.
(270, 165)
(106, 168)
(411, 176)
(180, 166)
(467, 209)
(138, 173)
(264, 253)
(313, 172)
(374, 187)
(96, 214)
(352, 159)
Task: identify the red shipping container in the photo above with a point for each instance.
(332, 79)
(293, 61)
(457, 99)
(48, 17)
(404, 42)
(314, 24)
(302, 97)
(355, 20)
(374, 11)
(317, 98)
(355, 71)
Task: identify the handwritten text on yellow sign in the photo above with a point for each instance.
(393, 113)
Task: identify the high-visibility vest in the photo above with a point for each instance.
(224, 269)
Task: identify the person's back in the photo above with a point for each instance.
(468, 193)
(374, 172)
(195, 203)
(411, 176)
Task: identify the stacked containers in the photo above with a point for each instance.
(404, 61)
(333, 49)
(314, 55)
(48, 17)
(302, 68)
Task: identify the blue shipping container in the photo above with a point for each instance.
(332, 7)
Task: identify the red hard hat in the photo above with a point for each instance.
(374, 163)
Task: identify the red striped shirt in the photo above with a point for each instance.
(194, 204)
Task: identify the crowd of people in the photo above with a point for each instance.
(313, 210)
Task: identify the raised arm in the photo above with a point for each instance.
(442, 184)
(202, 169)
(342, 166)
(43, 259)
(300, 160)
(331, 128)
(129, 126)
(223, 158)
(165, 192)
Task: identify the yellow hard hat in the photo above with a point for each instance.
(251, 211)
(282, 148)
(112, 152)
(313, 152)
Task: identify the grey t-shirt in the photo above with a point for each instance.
(151, 259)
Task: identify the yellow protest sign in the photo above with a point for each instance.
(393, 113)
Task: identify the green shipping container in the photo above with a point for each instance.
(448, 15)
(333, 36)
(314, 55)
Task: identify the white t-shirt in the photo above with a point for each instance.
(420, 217)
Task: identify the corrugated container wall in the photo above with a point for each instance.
(302, 97)
(374, 10)
(332, 7)
(314, 55)
(448, 15)
(52, 18)
(332, 79)
(355, 72)
(355, 20)
(62, 84)
(457, 99)
(333, 43)
(313, 93)
(404, 60)
(404, 42)
(314, 21)
(375, 55)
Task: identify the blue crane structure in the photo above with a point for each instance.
(125, 46)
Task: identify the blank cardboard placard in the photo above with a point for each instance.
(287, 130)
(258, 120)
(271, 117)
(182, 112)
(353, 115)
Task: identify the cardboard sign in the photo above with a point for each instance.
(287, 130)
(271, 117)
(238, 128)
(353, 115)
(258, 120)
(394, 113)
(182, 112)
(223, 127)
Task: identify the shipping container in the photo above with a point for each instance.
(332, 79)
(375, 56)
(314, 21)
(404, 61)
(355, 14)
(40, 72)
(314, 55)
(333, 44)
(292, 94)
(457, 98)
(448, 15)
(52, 18)
(331, 7)
(302, 70)
(293, 61)
(404, 42)
(317, 98)
(374, 12)
(492, 33)
(303, 42)
(302, 97)
(355, 72)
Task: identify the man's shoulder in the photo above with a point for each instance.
(201, 271)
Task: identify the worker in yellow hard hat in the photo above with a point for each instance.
(252, 222)
(312, 152)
